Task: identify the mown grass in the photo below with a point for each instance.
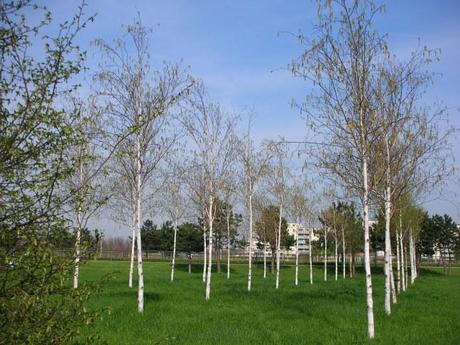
(332, 312)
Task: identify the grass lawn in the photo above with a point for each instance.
(332, 312)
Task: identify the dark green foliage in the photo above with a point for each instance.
(154, 238)
(189, 237)
(37, 304)
(224, 210)
(428, 236)
(439, 233)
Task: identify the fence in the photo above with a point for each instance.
(236, 256)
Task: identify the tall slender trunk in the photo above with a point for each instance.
(250, 243)
(367, 264)
(344, 259)
(265, 256)
(205, 253)
(309, 255)
(77, 254)
(398, 262)
(228, 245)
(392, 281)
(406, 278)
(387, 232)
(133, 246)
(411, 253)
(325, 254)
(140, 272)
(278, 249)
(297, 257)
(403, 275)
(79, 224)
(336, 254)
(415, 259)
(173, 264)
(208, 275)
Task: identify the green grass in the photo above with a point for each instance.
(323, 313)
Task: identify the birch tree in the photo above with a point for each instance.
(174, 202)
(87, 188)
(255, 166)
(341, 62)
(139, 98)
(212, 133)
(299, 208)
(278, 185)
(411, 147)
(267, 228)
(231, 219)
(196, 189)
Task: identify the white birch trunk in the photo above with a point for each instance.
(297, 258)
(398, 264)
(367, 262)
(140, 272)
(411, 253)
(387, 249)
(309, 255)
(387, 233)
(173, 264)
(336, 254)
(344, 259)
(133, 245)
(278, 249)
(209, 266)
(325, 254)
(415, 260)
(77, 254)
(76, 273)
(228, 245)
(265, 257)
(250, 244)
(205, 253)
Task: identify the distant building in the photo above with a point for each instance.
(303, 237)
(292, 228)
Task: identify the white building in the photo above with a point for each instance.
(302, 235)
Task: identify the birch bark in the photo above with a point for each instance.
(297, 257)
(325, 254)
(310, 237)
(173, 263)
(278, 248)
(209, 267)
(367, 262)
(228, 244)
(250, 241)
(344, 259)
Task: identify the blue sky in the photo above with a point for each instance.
(240, 51)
